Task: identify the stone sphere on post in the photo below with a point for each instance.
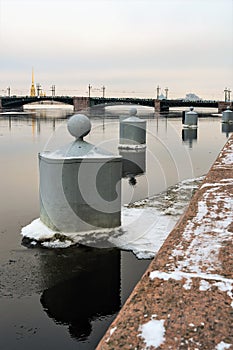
(133, 111)
(79, 126)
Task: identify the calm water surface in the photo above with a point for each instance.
(66, 298)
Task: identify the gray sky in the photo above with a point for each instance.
(130, 46)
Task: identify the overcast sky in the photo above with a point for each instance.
(129, 46)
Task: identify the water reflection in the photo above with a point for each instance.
(189, 135)
(77, 285)
(52, 110)
(85, 285)
(133, 164)
(113, 111)
(36, 122)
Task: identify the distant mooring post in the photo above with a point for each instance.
(132, 131)
(80, 184)
(190, 118)
(227, 116)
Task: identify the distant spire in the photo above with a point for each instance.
(33, 90)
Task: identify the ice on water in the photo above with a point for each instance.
(145, 224)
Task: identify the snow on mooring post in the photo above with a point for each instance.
(227, 116)
(132, 131)
(80, 184)
(190, 118)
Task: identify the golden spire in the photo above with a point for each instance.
(33, 90)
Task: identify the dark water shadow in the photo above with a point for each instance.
(93, 292)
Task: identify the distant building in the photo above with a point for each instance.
(33, 89)
(192, 97)
(161, 97)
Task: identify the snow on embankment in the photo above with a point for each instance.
(185, 298)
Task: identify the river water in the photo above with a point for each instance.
(65, 298)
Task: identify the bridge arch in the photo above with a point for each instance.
(14, 102)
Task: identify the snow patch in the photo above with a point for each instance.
(152, 333)
(112, 330)
(223, 346)
(37, 230)
(57, 244)
(166, 276)
(132, 147)
(223, 284)
(204, 285)
(227, 159)
(208, 229)
(188, 284)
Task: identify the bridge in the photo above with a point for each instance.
(80, 103)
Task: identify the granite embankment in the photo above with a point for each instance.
(185, 298)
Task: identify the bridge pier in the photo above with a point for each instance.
(81, 103)
(222, 106)
(160, 106)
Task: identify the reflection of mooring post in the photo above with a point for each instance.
(227, 128)
(80, 184)
(132, 131)
(188, 135)
(133, 162)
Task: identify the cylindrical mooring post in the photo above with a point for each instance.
(80, 184)
(132, 131)
(190, 119)
(227, 116)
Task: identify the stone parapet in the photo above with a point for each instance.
(222, 106)
(185, 298)
(81, 103)
(157, 106)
